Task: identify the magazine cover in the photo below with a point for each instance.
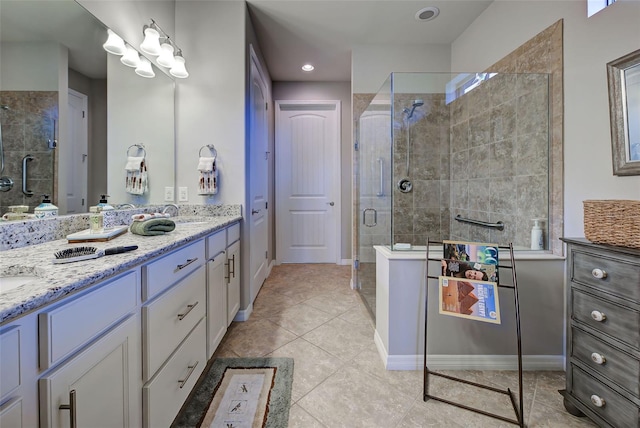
(477, 300)
(473, 261)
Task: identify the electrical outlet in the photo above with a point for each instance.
(183, 194)
(168, 194)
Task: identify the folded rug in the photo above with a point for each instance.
(154, 226)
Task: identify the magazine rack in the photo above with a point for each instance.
(517, 404)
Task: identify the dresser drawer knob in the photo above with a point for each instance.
(598, 316)
(598, 359)
(597, 401)
(598, 274)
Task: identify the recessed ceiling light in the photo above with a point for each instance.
(427, 13)
(307, 67)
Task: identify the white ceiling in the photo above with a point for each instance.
(322, 32)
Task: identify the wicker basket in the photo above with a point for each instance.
(613, 222)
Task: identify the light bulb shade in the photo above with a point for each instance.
(114, 44)
(151, 42)
(144, 68)
(166, 56)
(179, 70)
(130, 57)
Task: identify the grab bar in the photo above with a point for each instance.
(26, 159)
(498, 225)
(381, 162)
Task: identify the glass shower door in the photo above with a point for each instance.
(374, 192)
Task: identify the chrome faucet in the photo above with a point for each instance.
(172, 209)
(123, 206)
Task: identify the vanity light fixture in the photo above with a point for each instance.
(144, 68)
(114, 44)
(130, 57)
(158, 43)
(308, 67)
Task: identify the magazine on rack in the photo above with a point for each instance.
(470, 260)
(476, 300)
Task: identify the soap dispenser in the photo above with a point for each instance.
(46, 208)
(103, 205)
(537, 240)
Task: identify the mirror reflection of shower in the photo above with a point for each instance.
(405, 185)
(6, 183)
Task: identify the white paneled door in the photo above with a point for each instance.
(307, 181)
(258, 177)
(76, 174)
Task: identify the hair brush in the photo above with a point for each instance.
(77, 254)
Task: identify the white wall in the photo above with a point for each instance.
(29, 66)
(330, 91)
(372, 64)
(210, 104)
(589, 43)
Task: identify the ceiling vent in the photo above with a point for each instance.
(427, 13)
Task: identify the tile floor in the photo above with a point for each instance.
(309, 312)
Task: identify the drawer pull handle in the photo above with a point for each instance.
(597, 401)
(71, 407)
(185, 264)
(598, 359)
(182, 382)
(189, 309)
(599, 274)
(598, 316)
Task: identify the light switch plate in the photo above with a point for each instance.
(183, 194)
(168, 194)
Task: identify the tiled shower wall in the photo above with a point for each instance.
(28, 123)
(500, 158)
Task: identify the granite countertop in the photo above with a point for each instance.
(59, 280)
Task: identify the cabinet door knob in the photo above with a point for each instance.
(597, 401)
(598, 316)
(599, 273)
(598, 359)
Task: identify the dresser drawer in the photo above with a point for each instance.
(164, 395)
(9, 361)
(619, 322)
(606, 360)
(66, 328)
(616, 409)
(169, 319)
(165, 271)
(622, 279)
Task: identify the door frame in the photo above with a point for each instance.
(337, 186)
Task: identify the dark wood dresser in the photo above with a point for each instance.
(603, 333)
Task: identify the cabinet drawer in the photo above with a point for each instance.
(169, 319)
(164, 395)
(9, 361)
(622, 279)
(620, 322)
(616, 365)
(216, 243)
(617, 410)
(233, 233)
(165, 271)
(11, 414)
(66, 328)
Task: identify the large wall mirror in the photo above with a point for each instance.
(52, 69)
(624, 104)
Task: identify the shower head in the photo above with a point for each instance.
(416, 103)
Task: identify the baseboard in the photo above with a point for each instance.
(244, 314)
(476, 362)
(269, 267)
(345, 262)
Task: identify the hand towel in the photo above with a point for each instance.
(152, 227)
(208, 182)
(136, 181)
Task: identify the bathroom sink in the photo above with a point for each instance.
(10, 282)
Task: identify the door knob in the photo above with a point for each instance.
(331, 203)
(254, 211)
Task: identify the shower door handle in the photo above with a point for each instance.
(375, 217)
(25, 190)
(381, 192)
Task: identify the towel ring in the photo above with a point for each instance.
(211, 148)
(140, 147)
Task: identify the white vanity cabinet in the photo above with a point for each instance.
(90, 346)
(216, 290)
(233, 272)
